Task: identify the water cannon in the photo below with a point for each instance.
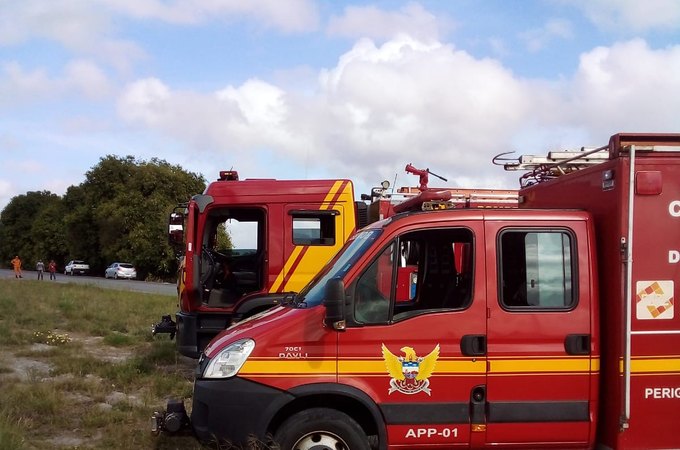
(424, 176)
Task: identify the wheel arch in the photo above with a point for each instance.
(349, 400)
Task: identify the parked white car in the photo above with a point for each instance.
(76, 267)
(121, 270)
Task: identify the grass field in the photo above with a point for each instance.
(79, 368)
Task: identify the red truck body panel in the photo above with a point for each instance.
(655, 323)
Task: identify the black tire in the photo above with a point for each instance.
(115, 276)
(321, 429)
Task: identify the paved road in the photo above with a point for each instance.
(129, 285)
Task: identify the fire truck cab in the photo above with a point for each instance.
(550, 325)
(285, 231)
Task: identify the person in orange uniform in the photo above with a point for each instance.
(16, 263)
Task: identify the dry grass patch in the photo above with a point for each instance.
(79, 368)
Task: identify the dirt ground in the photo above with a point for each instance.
(19, 368)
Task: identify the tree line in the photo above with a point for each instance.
(119, 213)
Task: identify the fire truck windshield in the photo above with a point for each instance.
(313, 293)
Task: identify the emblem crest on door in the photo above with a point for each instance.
(409, 373)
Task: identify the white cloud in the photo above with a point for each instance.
(88, 78)
(407, 100)
(241, 118)
(68, 22)
(606, 94)
(145, 101)
(91, 28)
(609, 91)
(379, 108)
(374, 23)
(259, 102)
(19, 85)
(539, 38)
(290, 16)
(81, 26)
(632, 15)
(429, 104)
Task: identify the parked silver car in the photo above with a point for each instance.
(121, 270)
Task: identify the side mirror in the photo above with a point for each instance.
(176, 229)
(335, 304)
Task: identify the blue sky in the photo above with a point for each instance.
(326, 89)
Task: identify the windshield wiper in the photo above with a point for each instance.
(293, 299)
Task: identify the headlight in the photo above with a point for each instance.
(229, 360)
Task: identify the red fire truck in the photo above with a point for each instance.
(287, 231)
(551, 325)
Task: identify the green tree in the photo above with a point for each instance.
(31, 226)
(120, 213)
(82, 240)
(223, 238)
(48, 231)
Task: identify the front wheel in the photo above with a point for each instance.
(321, 429)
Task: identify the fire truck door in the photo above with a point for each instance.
(312, 237)
(421, 357)
(539, 334)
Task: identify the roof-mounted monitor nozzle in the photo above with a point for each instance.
(424, 176)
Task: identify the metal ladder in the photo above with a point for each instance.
(555, 164)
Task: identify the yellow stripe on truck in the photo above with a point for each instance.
(561, 365)
(650, 365)
(373, 367)
(289, 367)
(443, 367)
(328, 201)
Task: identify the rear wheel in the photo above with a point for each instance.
(321, 429)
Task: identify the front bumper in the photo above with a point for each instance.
(196, 329)
(234, 410)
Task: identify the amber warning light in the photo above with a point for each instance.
(228, 175)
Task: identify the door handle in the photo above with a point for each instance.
(473, 345)
(577, 344)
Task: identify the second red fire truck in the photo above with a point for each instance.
(283, 232)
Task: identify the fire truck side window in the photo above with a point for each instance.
(536, 270)
(424, 271)
(314, 227)
(374, 288)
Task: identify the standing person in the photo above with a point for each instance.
(52, 267)
(16, 263)
(40, 267)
